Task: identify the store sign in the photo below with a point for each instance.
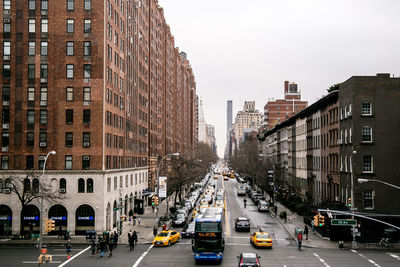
(162, 191)
(85, 218)
(59, 218)
(31, 218)
(5, 218)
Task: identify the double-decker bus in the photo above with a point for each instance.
(208, 242)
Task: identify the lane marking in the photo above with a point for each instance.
(227, 226)
(362, 256)
(397, 257)
(34, 262)
(73, 257)
(321, 260)
(142, 257)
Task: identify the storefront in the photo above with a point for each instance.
(30, 219)
(59, 214)
(5, 220)
(84, 219)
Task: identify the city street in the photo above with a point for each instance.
(284, 251)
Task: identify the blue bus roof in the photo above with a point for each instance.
(215, 218)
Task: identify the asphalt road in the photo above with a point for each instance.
(284, 252)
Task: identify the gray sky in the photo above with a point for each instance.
(245, 50)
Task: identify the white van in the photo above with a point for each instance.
(241, 190)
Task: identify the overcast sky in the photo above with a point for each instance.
(245, 50)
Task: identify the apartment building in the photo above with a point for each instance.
(248, 118)
(97, 82)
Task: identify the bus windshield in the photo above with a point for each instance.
(208, 227)
(208, 245)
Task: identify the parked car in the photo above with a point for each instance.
(242, 224)
(179, 220)
(182, 211)
(258, 198)
(249, 259)
(263, 206)
(188, 230)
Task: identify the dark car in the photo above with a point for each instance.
(249, 259)
(179, 220)
(242, 224)
(188, 230)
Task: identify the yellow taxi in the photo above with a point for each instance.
(195, 211)
(215, 176)
(204, 205)
(220, 204)
(166, 238)
(261, 239)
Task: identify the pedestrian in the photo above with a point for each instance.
(154, 231)
(313, 227)
(68, 245)
(116, 238)
(276, 209)
(131, 241)
(306, 232)
(139, 220)
(60, 232)
(93, 246)
(111, 245)
(135, 236)
(102, 245)
(299, 239)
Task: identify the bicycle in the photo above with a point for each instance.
(384, 242)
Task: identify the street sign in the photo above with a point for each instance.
(343, 222)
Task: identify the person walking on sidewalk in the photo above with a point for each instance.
(299, 239)
(111, 245)
(116, 238)
(135, 236)
(139, 221)
(93, 246)
(68, 245)
(102, 246)
(131, 241)
(306, 232)
(276, 209)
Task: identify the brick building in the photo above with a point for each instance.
(102, 84)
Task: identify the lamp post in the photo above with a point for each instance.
(361, 180)
(354, 243)
(158, 180)
(41, 200)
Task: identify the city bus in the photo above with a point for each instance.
(208, 242)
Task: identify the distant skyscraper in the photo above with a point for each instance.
(202, 124)
(228, 116)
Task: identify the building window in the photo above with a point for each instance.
(5, 139)
(69, 139)
(70, 25)
(43, 116)
(6, 48)
(86, 116)
(43, 93)
(45, 25)
(70, 48)
(70, 5)
(31, 4)
(43, 48)
(86, 139)
(31, 117)
(4, 162)
(44, 5)
(70, 94)
(368, 198)
(86, 163)
(81, 185)
(367, 164)
(7, 4)
(68, 162)
(31, 48)
(115, 182)
(43, 72)
(366, 109)
(89, 185)
(70, 71)
(69, 116)
(31, 71)
(87, 4)
(87, 26)
(6, 25)
(29, 162)
(367, 134)
(63, 185)
(42, 139)
(87, 48)
(7, 71)
(5, 94)
(350, 135)
(31, 25)
(86, 93)
(41, 162)
(86, 71)
(108, 184)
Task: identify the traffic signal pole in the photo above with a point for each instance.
(354, 243)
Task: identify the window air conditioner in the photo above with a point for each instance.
(42, 144)
(86, 143)
(62, 190)
(7, 191)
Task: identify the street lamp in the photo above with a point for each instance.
(354, 243)
(41, 199)
(361, 180)
(158, 180)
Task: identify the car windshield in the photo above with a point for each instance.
(242, 219)
(180, 216)
(249, 260)
(263, 236)
(163, 234)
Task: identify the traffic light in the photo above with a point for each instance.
(156, 201)
(50, 225)
(349, 202)
(270, 177)
(321, 220)
(153, 200)
(316, 220)
(46, 225)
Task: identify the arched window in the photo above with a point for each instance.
(35, 186)
(63, 186)
(81, 185)
(89, 185)
(1, 186)
(27, 185)
(7, 183)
